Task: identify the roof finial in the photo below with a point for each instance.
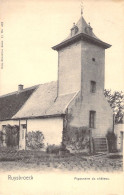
(82, 7)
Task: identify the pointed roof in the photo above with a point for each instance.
(81, 30)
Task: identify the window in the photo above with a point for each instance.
(93, 59)
(24, 126)
(93, 86)
(92, 118)
(74, 30)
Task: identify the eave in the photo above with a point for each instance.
(39, 117)
(84, 37)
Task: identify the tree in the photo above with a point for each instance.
(116, 101)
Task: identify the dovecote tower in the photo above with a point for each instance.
(81, 60)
(81, 69)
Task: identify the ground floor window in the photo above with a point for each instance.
(92, 119)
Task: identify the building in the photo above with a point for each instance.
(119, 131)
(77, 98)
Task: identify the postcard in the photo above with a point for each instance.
(61, 97)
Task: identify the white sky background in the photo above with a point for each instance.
(32, 27)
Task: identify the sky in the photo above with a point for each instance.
(32, 27)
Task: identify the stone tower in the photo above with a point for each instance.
(81, 69)
(81, 59)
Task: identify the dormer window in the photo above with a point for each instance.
(88, 30)
(74, 30)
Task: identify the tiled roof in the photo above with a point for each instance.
(83, 31)
(44, 102)
(82, 26)
(11, 103)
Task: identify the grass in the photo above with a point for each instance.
(38, 160)
(115, 156)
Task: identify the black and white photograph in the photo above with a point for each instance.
(61, 96)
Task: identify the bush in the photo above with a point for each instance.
(1, 138)
(34, 140)
(11, 134)
(111, 137)
(78, 138)
(56, 149)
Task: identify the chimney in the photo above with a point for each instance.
(20, 88)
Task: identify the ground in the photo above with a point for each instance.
(37, 161)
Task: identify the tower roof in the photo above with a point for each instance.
(81, 30)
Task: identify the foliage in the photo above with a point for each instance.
(111, 137)
(77, 138)
(11, 134)
(53, 149)
(34, 140)
(116, 101)
(1, 138)
(56, 149)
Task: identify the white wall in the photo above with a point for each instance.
(118, 128)
(51, 128)
(69, 70)
(80, 113)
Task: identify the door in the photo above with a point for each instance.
(22, 140)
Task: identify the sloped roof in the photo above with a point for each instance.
(82, 26)
(11, 103)
(81, 33)
(44, 102)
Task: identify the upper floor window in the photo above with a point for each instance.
(93, 59)
(92, 86)
(92, 119)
